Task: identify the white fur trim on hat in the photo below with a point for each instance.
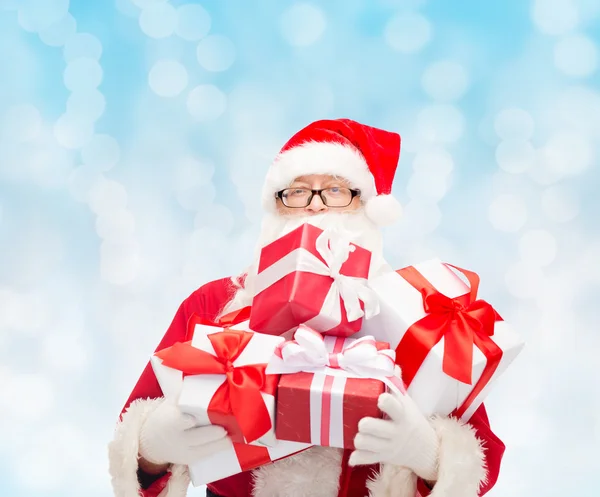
(123, 455)
(318, 158)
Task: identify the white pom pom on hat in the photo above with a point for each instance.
(367, 157)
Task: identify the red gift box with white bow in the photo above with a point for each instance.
(314, 277)
(328, 384)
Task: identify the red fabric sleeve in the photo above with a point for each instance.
(207, 302)
(493, 451)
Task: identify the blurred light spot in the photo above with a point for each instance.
(445, 80)
(560, 203)
(168, 78)
(81, 180)
(58, 454)
(555, 17)
(107, 195)
(49, 164)
(142, 4)
(37, 15)
(86, 105)
(196, 197)
(63, 351)
(576, 56)
(433, 161)
(408, 32)
(82, 74)
(82, 45)
(542, 171)
(72, 132)
(193, 22)
(568, 153)
(102, 152)
(579, 108)
(27, 397)
(206, 103)
(215, 53)
(217, 217)
(524, 280)
(515, 156)
(115, 225)
(514, 124)
(507, 213)
(302, 24)
(21, 123)
(13, 310)
(537, 247)
(440, 123)
(427, 186)
(421, 217)
(57, 34)
(127, 8)
(192, 172)
(119, 262)
(158, 20)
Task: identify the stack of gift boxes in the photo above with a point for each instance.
(322, 341)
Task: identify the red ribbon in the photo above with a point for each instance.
(240, 393)
(462, 322)
(251, 456)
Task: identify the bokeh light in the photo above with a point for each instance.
(302, 24)
(168, 78)
(216, 53)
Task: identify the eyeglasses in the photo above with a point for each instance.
(331, 197)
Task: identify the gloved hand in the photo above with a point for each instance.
(406, 439)
(169, 436)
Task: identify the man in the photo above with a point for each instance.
(338, 174)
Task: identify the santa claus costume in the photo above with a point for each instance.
(467, 455)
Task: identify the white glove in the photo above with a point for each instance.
(169, 436)
(406, 439)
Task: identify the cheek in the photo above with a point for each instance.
(286, 211)
(355, 205)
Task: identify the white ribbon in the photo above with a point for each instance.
(359, 359)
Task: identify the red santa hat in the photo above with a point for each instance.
(367, 157)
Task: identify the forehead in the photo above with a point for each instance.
(312, 179)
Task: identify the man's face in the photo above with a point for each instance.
(338, 195)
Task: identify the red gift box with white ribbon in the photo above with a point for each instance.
(328, 384)
(314, 277)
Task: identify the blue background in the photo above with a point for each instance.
(134, 137)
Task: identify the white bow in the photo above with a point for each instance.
(335, 250)
(308, 352)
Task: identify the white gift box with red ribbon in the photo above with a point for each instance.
(195, 394)
(451, 345)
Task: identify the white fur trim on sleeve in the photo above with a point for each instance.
(461, 466)
(123, 454)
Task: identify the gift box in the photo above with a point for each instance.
(238, 458)
(219, 377)
(328, 384)
(451, 345)
(314, 277)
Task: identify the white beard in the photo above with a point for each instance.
(353, 225)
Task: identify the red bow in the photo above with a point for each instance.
(240, 393)
(462, 321)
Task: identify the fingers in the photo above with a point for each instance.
(392, 406)
(201, 451)
(202, 435)
(371, 443)
(363, 457)
(377, 427)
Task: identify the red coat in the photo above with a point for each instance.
(207, 302)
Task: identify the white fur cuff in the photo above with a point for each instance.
(123, 455)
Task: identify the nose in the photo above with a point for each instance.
(316, 205)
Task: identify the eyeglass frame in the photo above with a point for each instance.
(354, 192)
